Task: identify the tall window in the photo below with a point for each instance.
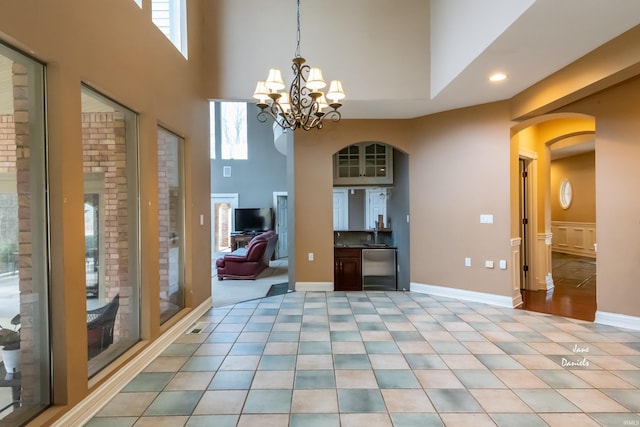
(171, 222)
(170, 16)
(109, 143)
(24, 316)
(233, 130)
(212, 130)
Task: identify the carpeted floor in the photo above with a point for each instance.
(227, 292)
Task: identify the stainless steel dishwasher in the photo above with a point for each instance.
(379, 269)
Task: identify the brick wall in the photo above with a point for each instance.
(163, 210)
(7, 144)
(168, 209)
(20, 163)
(104, 152)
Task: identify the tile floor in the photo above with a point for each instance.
(573, 270)
(374, 359)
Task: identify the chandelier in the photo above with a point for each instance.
(302, 106)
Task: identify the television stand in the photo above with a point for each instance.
(240, 240)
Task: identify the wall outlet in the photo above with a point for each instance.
(488, 264)
(310, 256)
(467, 262)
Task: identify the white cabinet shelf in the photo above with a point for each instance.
(365, 163)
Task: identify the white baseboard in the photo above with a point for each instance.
(314, 286)
(618, 320)
(81, 413)
(499, 300)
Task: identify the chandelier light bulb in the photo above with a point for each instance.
(274, 81)
(335, 93)
(284, 102)
(322, 103)
(261, 93)
(315, 80)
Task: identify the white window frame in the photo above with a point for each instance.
(176, 27)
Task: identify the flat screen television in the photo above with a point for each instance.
(253, 220)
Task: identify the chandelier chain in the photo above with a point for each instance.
(302, 105)
(298, 31)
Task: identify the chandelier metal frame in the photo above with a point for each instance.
(301, 107)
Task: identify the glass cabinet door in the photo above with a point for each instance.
(375, 160)
(348, 162)
(364, 163)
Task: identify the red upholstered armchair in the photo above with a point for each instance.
(248, 262)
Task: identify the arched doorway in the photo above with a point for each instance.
(554, 241)
(371, 184)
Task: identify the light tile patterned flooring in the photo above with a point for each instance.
(378, 359)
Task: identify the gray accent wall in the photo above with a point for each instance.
(257, 178)
(397, 210)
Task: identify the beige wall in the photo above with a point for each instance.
(115, 48)
(459, 170)
(581, 173)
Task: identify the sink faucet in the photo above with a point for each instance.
(375, 234)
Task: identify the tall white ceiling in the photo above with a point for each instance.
(404, 59)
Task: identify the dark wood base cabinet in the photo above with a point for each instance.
(347, 269)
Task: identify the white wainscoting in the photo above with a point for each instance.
(516, 270)
(576, 238)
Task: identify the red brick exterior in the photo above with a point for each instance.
(105, 152)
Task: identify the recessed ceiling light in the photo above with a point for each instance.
(498, 77)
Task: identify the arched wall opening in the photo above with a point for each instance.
(312, 188)
(371, 201)
(532, 198)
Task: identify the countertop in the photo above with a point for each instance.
(364, 246)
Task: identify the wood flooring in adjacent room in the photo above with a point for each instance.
(574, 291)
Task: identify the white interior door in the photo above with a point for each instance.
(340, 209)
(376, 205)
(222, 206)
(281, 203)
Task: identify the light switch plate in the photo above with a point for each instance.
(486, 219)
(488, 264)
(467, 262)
(503, 264)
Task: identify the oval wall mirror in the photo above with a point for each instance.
(566, 194)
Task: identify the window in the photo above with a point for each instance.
(171, 223)
(109, 143)
(24, 314)
(212, 129)
(233, 130)
(170, 16)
